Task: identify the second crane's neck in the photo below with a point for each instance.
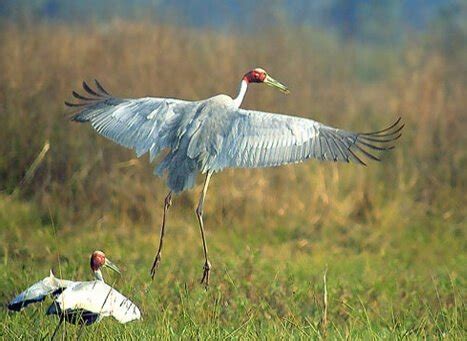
(241, 93)
(98, 275)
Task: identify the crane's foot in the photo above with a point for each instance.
(155, 265)
(206, 269)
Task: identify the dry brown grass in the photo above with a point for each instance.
(85, 176)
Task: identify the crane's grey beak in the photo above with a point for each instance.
(111, 265)
(275, 84)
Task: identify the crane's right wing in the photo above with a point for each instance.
(260, 139)
(144, 124)
(95, 298)
(39, 291)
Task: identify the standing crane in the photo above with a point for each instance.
(80, 302)
(209, 135)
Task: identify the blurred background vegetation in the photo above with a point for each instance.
(352, 64)
(358, 74)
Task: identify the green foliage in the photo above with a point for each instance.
(266, 281)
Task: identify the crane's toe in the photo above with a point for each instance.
(155, 265)
(206, 270)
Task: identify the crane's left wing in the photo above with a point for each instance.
(39, 291)
(260, 139)
(95, 298)
(147, 124)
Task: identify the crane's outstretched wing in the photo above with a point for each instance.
(218, 136)
(92, 301)
(144, 124)
(39, 291)
(260, 139)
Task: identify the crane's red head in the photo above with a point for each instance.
(259, 75)
(97, 260)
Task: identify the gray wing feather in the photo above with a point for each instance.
(147, 125)
(259, 139)
(144, 124)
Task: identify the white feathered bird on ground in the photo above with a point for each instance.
(80, 302)
(209, 135)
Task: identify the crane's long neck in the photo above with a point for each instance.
(98, 275)
(241, 93)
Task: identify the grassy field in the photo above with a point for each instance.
(267, 280)
(390, 237)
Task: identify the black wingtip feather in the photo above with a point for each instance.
(68, 104)
(90, 91)
(78, 96)
(388, 134)
(368, 154)
(372, 139)
(18, 306)
(101, 88)
(372, 146)
(378, 140)
(98, 96)
(357, 158)
(387, 131)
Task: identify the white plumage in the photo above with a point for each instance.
(94, 300)
(81, 302)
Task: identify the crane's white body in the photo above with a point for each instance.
(95, 298)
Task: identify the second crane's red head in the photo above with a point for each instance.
(98, 260)
(259, 75)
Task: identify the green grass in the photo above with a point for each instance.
(267, 281)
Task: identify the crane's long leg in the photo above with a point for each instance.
(157, 259)
(199, 214)
(58, 327)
